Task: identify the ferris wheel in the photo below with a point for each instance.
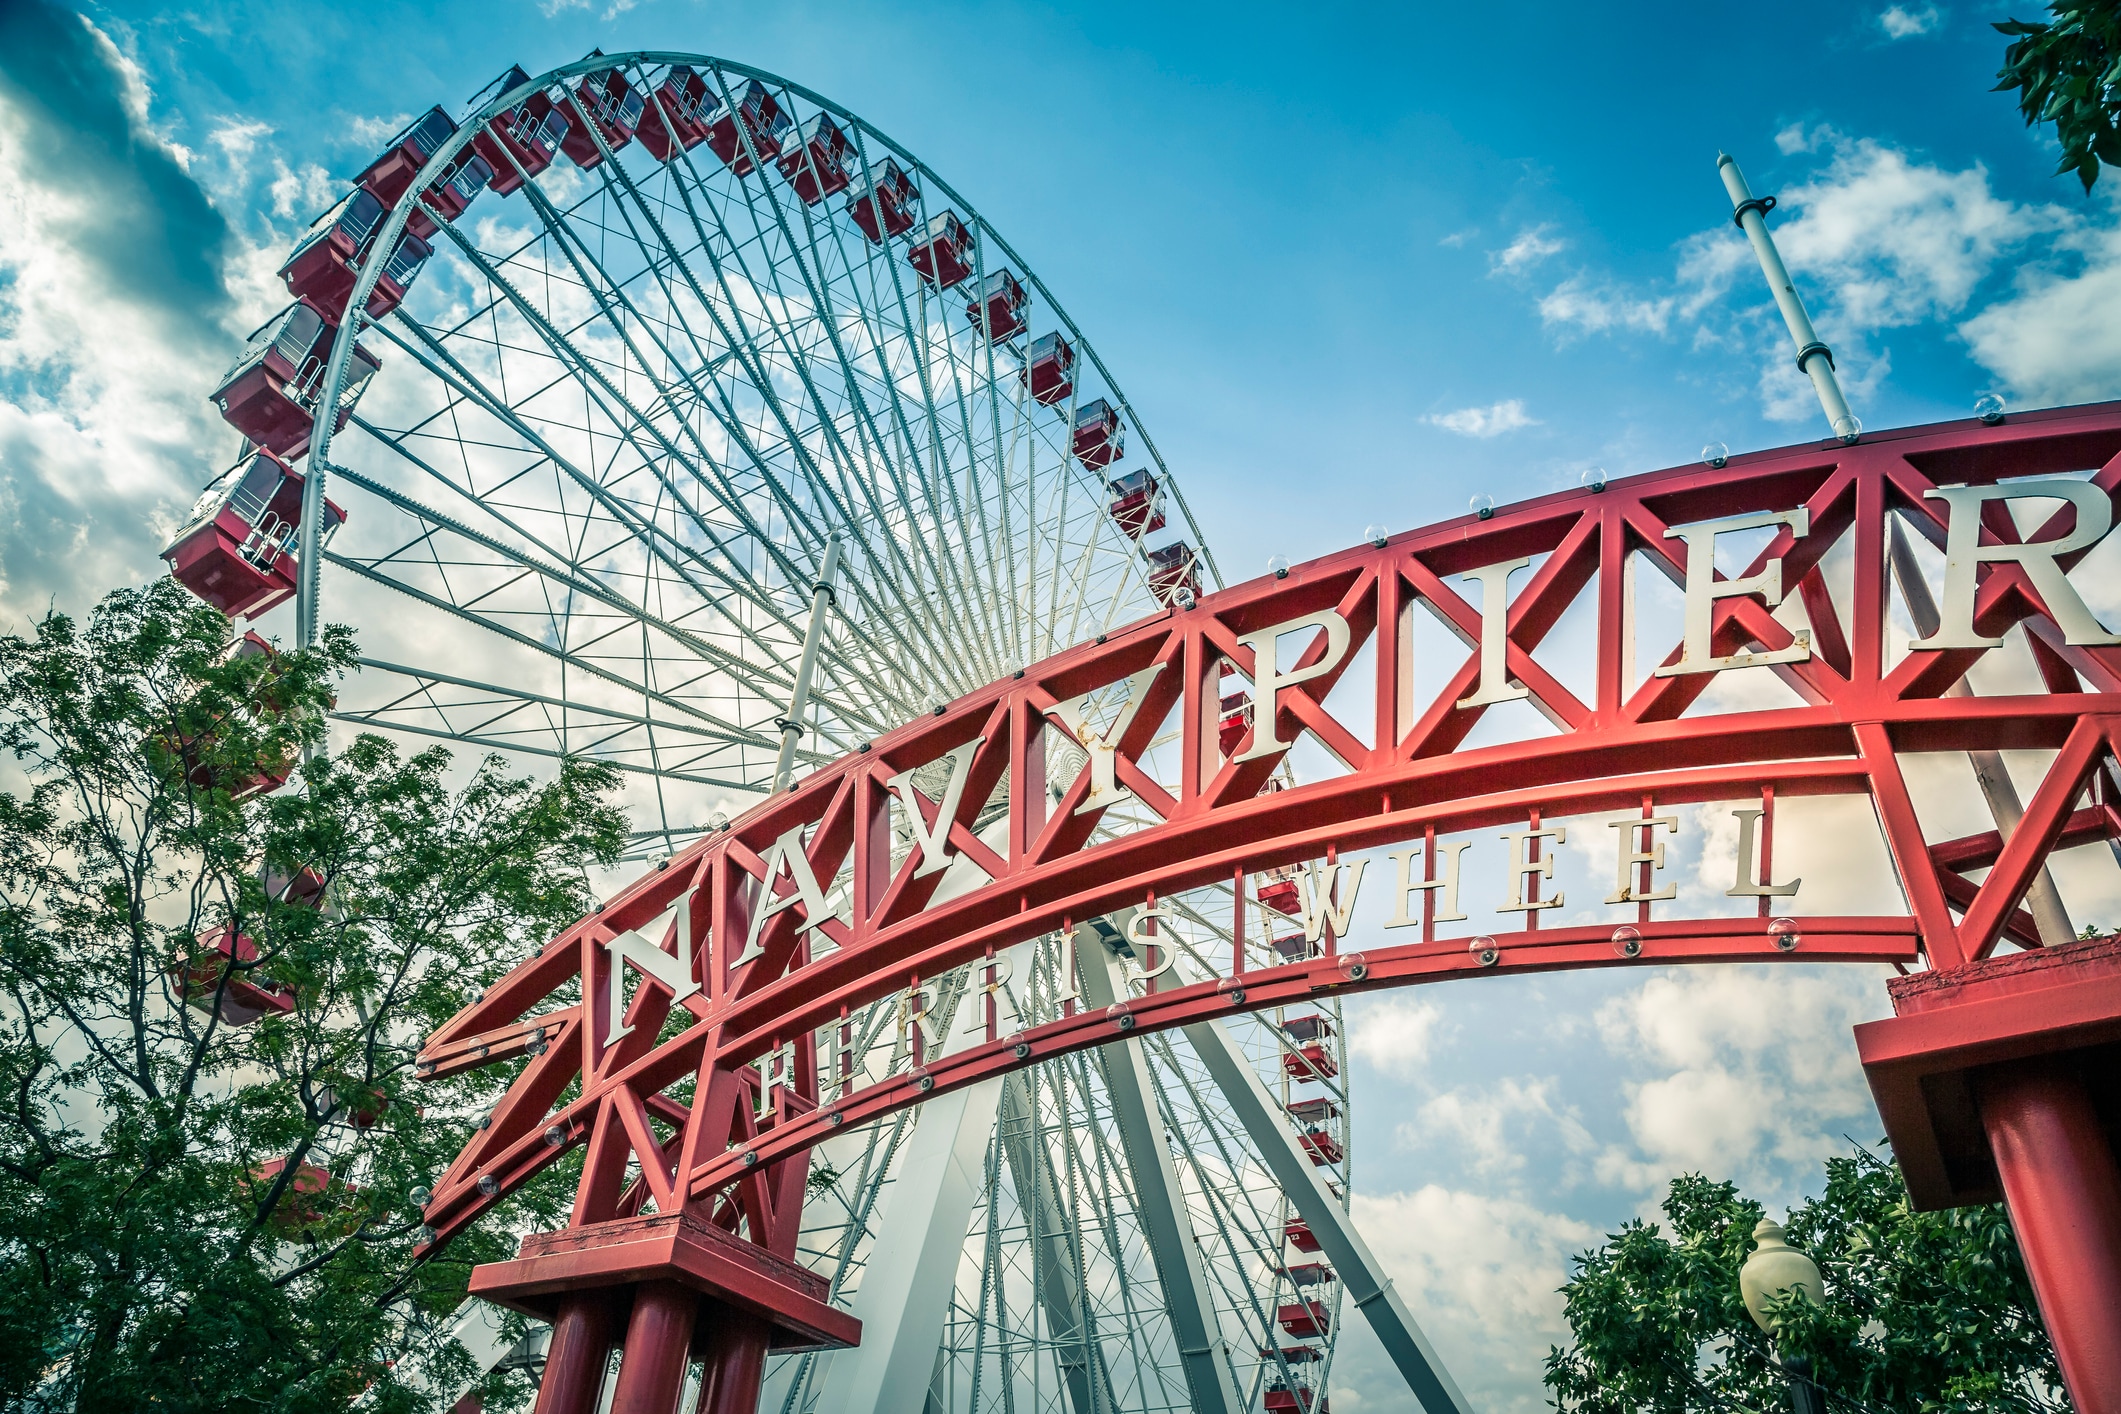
(660, 411)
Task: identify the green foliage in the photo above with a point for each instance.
(145, 1257)
(2068, 72)
(1927, 1312)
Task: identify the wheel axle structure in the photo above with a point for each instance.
(998, 1060)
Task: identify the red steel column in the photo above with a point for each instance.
(2063, 1189)
(575, 1361)
(658, 1339)
(736, 1360)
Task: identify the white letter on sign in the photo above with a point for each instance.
(1105, 788)
(1494, 582)
(787, 853)
(673, 972)
(1964, 554)
(1703, 589)
(935, 842)
(1268, 681)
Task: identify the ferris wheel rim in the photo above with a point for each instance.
(354, 316)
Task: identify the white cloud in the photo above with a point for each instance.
(1752, 1072)
(1394, 1033)
(1532, 246)
(2057, 337)
(1491, 421)
(1459, 238)
(1880, 239)
(1480, 1274)
(1491, 1123)
(1908, 22)
(1577, 306)
(113, 301)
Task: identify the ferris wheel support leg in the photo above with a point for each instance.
(912, 1270)
(1159, 1199)
(1350, 1256)
(1058, 1259)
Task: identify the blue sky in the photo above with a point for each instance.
(1350, 264)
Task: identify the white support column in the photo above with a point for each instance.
(911, 1273)
(1057, 1253)
(1350, 1256)
(1159, 1200)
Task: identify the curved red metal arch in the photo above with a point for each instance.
(742, 955)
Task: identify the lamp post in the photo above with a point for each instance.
(1774, 1268)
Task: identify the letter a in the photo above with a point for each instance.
(787, 852)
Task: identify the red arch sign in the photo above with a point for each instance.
(803, 910)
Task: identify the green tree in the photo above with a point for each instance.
(168, 1237)
(2067, 71)
(1926, 1312)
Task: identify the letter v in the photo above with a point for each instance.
(935, 841)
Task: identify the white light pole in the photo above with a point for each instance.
(1814, 358)
(1775, 1268)
(821, 598)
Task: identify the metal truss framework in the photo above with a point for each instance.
(759, 942)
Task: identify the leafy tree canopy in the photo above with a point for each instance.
(2067, 71)
(1927, 1312)
(197, 1214)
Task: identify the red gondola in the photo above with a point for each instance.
(943, 254)
(602, 105)
(245, 998)
(815, 164)
(1313, 1111)
(1298, 1232)
(882, 203)
(313, 1200)
(1284, 1401)
(303, 888)
(1049, 369)
(1308, 1027)
(1313, 1062)
(270, 395)
(1306, 1318)
(236, 549)
(676, 116)
(1097, 439)
(323, 268)
(752, 112)
(1278, 891)
(520, 143)
(1323, 1147)
(1235, 724)
(997, 310)
(1308, 1273)
(391, 174)
(1295, 947)
(1174, 572)
(1293, 1354)
(1137, 503)
(451, 194)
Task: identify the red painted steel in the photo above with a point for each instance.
(575, 1362)
(2063, 1189)
(759, 974)
(658, 1338)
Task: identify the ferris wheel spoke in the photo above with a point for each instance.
(914, 607)
(728, 415)
(592, 377)
(667, 549)
(730, 732)
(762, 681)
